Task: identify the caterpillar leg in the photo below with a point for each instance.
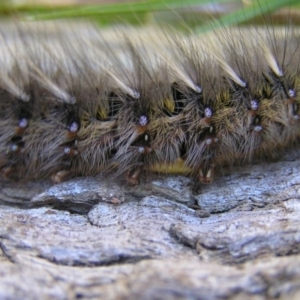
(133, 175)
(62, 176)
(206, 174)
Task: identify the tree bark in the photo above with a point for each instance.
(91, 238)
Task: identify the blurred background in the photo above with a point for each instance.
(194, 13)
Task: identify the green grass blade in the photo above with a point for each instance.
(117, 8)
(258, 8)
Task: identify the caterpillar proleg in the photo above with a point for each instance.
(82, 100)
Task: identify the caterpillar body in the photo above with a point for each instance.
(82, 101)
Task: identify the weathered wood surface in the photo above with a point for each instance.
(90, 238)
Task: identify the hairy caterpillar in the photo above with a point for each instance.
(83, 101)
